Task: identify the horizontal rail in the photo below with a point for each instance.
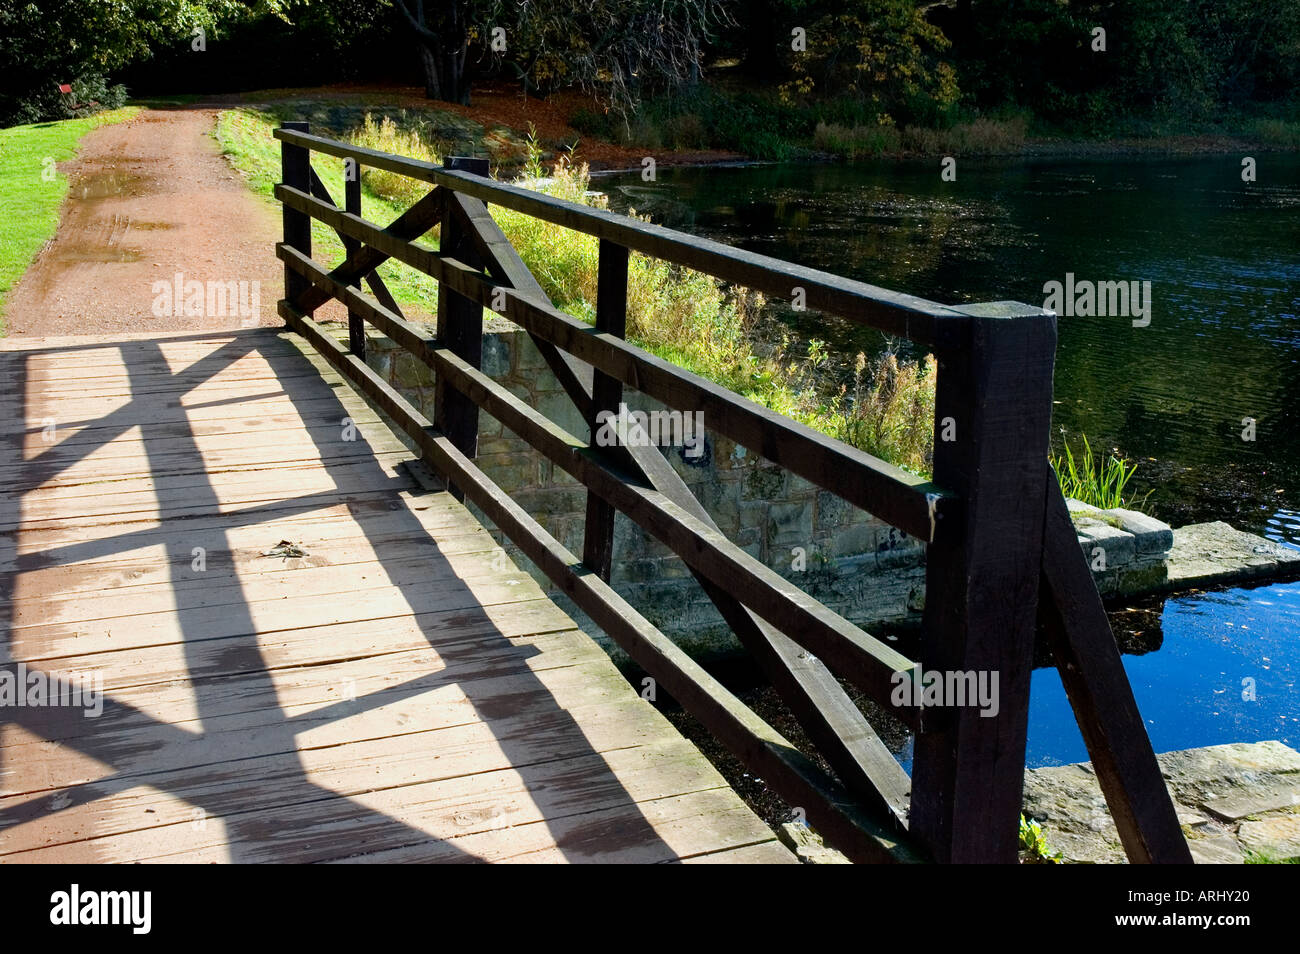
(914, 505)
(763, 750)
(927, 323)
(863, 660)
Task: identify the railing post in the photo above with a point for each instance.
(460, 328)
(992, 424)
(606, 394)
(352, 204)
(295, 171)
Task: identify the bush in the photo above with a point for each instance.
(90, 94)
(386, 136)
(983, 136)
(856, 142)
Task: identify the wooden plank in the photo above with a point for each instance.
(489, 817)
(460, 328)
(1092, 671)
(982, 586)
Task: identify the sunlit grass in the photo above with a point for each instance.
(29, 194)
(1096, 481)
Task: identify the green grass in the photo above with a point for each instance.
(31, 197)
(1266, 858)
(1098, 482)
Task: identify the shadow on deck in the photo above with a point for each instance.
(388, 688)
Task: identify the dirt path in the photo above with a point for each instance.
(149, 199)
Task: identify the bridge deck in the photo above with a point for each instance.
(393, 689)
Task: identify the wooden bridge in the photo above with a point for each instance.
(304, 657)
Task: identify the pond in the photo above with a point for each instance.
(1222, 345)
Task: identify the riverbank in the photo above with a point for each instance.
(721, 130)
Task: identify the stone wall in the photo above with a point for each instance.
(861, 567)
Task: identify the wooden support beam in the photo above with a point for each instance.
(295, 172)
(606, 394)
(1092, 671)
(460, 328)
(992, 421)
(352, 200)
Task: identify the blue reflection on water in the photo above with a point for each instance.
(1190, 691)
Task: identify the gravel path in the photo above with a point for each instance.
(148, 199)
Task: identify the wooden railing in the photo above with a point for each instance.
(1002, 557)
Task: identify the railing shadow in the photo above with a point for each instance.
(250, 775)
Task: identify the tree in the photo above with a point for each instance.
(883, 52)
(613, 47)
(43, 44)
(442, 31)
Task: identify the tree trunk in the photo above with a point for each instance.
(432, 82)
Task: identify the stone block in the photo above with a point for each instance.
(854, 541)
(790, 524)
(410, 371)
(1276, 837)
(1149, 534)
(1099, 539)
(764, 483)
(496, 355)
(832, 511)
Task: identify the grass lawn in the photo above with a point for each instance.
(32, 189)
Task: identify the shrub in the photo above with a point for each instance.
(387, 136)
(90, 94)
(856, 142)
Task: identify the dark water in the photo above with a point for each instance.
(1223, 344)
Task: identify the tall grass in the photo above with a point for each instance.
(1095, 481)
(387, 136)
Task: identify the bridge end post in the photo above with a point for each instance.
(993, 412)
(295, 171)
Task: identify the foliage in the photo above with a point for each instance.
(883, 52)
(1188, 60)
(1093, 481)
(1033, 844)
(45, 44)
(30, 200)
